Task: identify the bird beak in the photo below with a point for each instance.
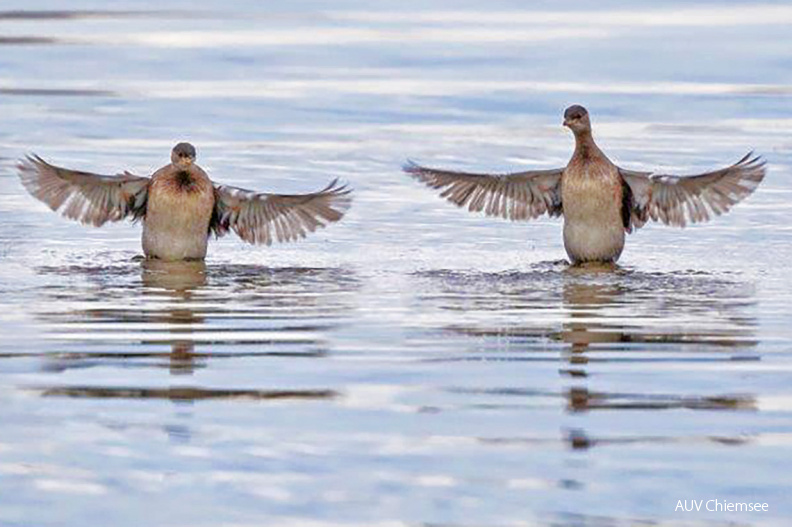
(565, 123)
(188, 161)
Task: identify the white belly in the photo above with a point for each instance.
(174, 244)
(585, 242)
(177, 230)
(593, 228)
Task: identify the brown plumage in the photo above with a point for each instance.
(263, 218)
(677, 200)
(179, 205)
(598, 200)
(517, 196)
(90, 198)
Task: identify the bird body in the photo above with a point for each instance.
(599, 201)
(178, 214)
(592, 196)
(180, 206)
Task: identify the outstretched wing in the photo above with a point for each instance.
(678, 200)
(261, 217)
(518, 196)
(90, 198)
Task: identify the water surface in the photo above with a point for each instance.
(414, 364)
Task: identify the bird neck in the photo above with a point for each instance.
(585, 146)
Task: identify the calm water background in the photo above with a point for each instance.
(415, 364)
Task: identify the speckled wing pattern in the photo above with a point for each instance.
(679, 200)
(89, 198)
(517, 196)
(261, 218)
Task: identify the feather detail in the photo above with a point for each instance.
(89, 198)
(261, 218)
(517, 196)
(679, 200)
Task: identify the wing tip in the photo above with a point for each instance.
(29, 163)
(412, 168)
(31, 173)
(342, 202)
(752, 158)
(755, 167)
(340, 190)
(409, 165)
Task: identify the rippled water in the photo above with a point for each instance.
(414, 364)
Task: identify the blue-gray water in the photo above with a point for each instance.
(415, 364)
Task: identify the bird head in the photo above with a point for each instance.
(183, 155)
(576, 118)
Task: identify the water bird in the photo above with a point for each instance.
(600, 202)
(180, 206)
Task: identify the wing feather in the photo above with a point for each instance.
(517, 196)
(261, 218)
(679, 200)
(89, 198)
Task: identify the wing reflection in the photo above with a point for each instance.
(182, 393)
(582, 400)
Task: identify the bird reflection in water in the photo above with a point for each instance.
(583, 298)
(201, 313)
(581, 317)
(591, 310)
(178, 282)
(636, 331)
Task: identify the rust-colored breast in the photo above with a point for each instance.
(591, 191)
(181, 197)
